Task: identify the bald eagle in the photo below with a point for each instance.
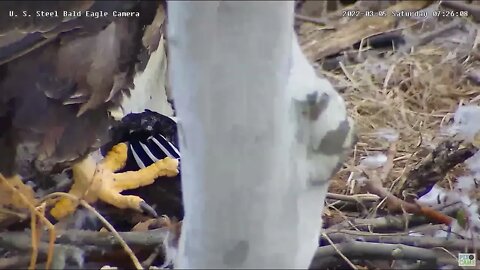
(64, 67)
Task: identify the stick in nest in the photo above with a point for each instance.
(327, 255)
(394, 203)
(374, 185)
(35, 240)
(107, 224)
(473, 10)
(314, 20)
(436, 165)
(339, 252)
(94, 240)
(380, 224)
(423, 242)
(35, 212)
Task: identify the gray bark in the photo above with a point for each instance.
(260, 135)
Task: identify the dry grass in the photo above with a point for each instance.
(413, 92)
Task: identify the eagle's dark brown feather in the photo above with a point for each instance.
(57, 85)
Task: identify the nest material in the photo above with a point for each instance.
(413, 89)
(407, 74)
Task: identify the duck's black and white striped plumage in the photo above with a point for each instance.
(150, 137)
(144, 152)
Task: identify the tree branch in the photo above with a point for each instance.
(77, 244)
(380, 224)
(326, 256)
(152, 238)
(415, 241)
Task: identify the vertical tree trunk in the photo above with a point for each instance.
(258, 139)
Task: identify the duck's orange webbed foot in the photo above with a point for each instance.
(94, 182)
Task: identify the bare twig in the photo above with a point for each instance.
(42, 218)
(427, 37)
(149, 261)
(392, 151)
(380, 224)
(339, 252)
(356, 200)
(20, 216)
(473, 10)
(107, 224)
(14, 262)
(22, 241)
(394, 203)
(355, 30)
(82, 238)
(435, 166)
(327, 255)
(318, 21)
(89, 243)
(374, 185)
(353, 198)
(35, 241)
(422, 242)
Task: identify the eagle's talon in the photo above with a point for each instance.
(99, 181)
(147, 209)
